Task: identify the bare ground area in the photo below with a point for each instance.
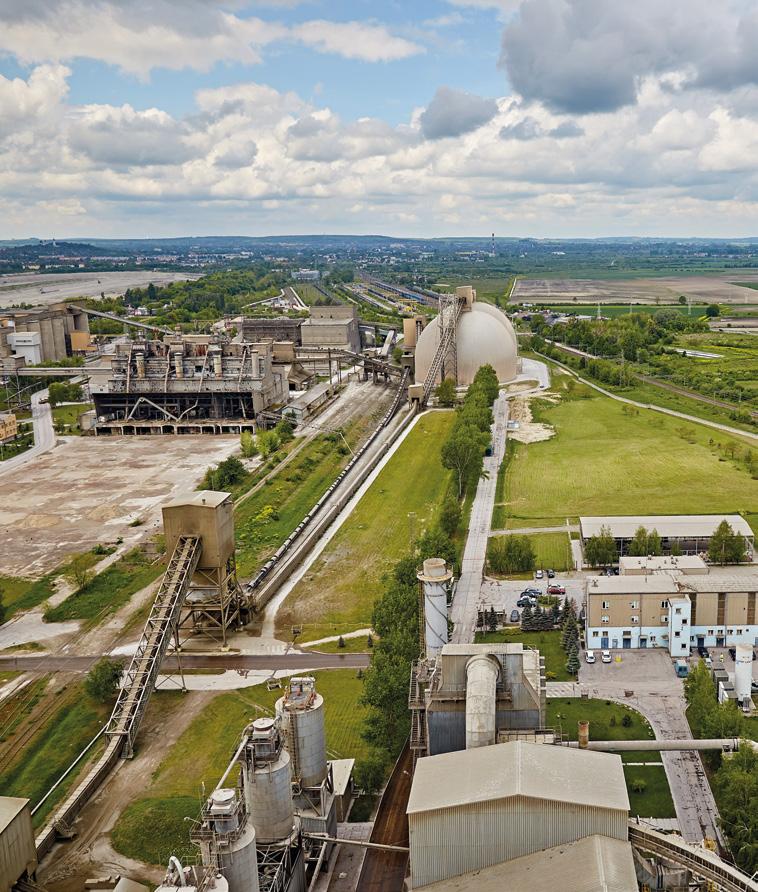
(529, 431)
(89, 490)
(90, 854)
(667, 289)
(51, 288)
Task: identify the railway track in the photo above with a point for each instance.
(27, 730)
(385, 871)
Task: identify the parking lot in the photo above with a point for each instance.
(502, 594)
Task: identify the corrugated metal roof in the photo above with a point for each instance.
(503, 770)
(593, 864)
(10, 806)
(663, 584)
(682, 525)
(664, 562)
(208, 497)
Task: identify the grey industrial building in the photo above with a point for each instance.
(333, 326)
(475, 808)
(44, 334)
(18, 856)
(282, 328)
(187, 384)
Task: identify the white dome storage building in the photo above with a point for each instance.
(484, 335)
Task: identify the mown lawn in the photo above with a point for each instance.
(604, 460)
(152, 827)
(552, 550)
(337, 593)
(68, 416)
(109, 590)
(606, 720)
(547, 643)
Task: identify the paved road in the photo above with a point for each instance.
(293, 661)
(44, 433)
(464, 610)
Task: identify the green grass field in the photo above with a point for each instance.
(109, 590)
(552, 550)
(152, 827)
(547, 643)
(24, 594)
(606, 723)
(52, 749)
(338, 591)
(68, 416)
(352, 646)
(604, 460)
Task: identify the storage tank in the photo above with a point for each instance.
(435, 579)
(179, 364)
(743, 671)
(302, 714)
(268, 782)
(482, 672)
(216, 358)
(234, 841)
(140, 358)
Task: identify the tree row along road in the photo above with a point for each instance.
(622, 399)
(295, 661)
(664, 385)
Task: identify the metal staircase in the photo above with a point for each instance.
(449, 314)
(160, 626)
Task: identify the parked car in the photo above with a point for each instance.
(589, 656)
(515, 616)
(526, 599)
(702, 652)
(538, 574)
(532, 592)
(605, 656)
(551, 574)
(556, 589)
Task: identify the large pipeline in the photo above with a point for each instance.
(729, 744)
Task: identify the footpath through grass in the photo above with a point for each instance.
(547, 643)
(647, 785)
(337, 593)
(604, 459)
(153, 827)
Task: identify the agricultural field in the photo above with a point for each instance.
(338, 591)
(606, 723)
(608, 459)
(613, 310)
(152, 827)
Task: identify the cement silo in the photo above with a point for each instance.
(233, 840)
(435, 582)
(267, 781)
(302, 716)
(743, 672)
(482, 673)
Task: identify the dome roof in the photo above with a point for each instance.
(485, 336)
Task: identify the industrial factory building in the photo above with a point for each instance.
(333, 326)
(476, 808)
(690, 533)
(672, 609)
(281, 328)
(478, 334)
(187, 384)
(46, 334)
(18, 856)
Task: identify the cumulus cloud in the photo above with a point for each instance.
(454, 112)
(585, 56)
(355, 40)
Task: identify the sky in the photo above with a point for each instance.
(540, 118)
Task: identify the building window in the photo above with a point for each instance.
(710, 631)
(634, 605)
(677, 610)
(606, 605)
(604, 619)
(595, 634)
(627, 633)
(652, 639)
(634, 619)
(684, 622)
(730, 631)
(664, 619)
(739, 631)
(677, 633)
(664, 604)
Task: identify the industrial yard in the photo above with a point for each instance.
(335, 611)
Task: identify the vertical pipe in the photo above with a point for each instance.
(583, 734)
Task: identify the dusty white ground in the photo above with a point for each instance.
(50, 288)
(88, 490)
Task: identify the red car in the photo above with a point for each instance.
(556, 589)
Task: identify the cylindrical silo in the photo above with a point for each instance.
(268, 783)
(217, 364)
(435, 579)
(179, 364)
(482, 673)
(583, 734)
(239, 861)
(140, 359)
(743, 671)
(302, 713)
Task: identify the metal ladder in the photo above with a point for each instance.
(446, 344)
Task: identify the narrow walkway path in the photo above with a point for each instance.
(464, 608)
(524, 531)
